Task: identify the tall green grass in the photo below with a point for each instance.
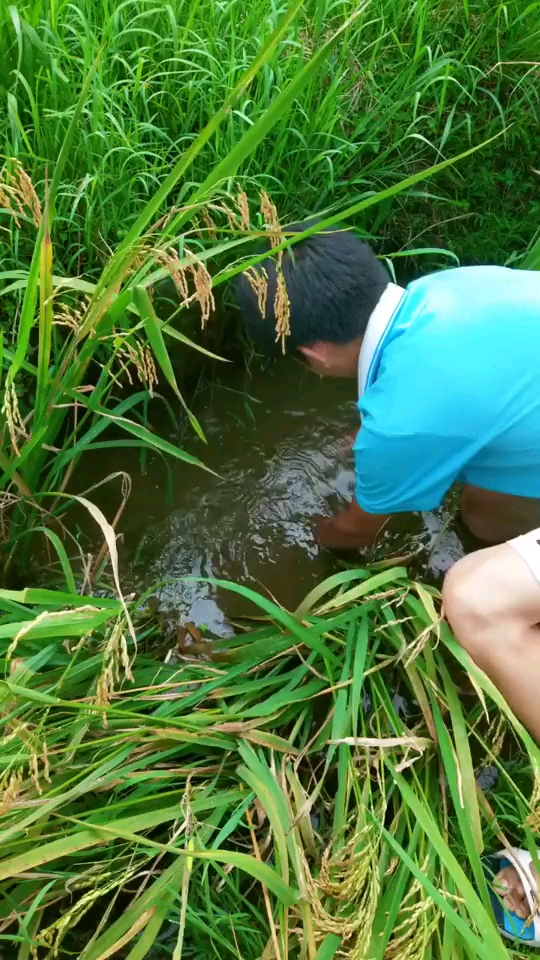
(306, 790)
(62, 381)
(408, 85)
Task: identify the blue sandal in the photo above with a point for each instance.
(509, 924)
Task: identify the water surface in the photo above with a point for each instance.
(274, 434)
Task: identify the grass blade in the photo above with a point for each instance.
(45, 318)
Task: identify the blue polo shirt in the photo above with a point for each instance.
(452, 391)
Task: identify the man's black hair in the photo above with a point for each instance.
(334, 281)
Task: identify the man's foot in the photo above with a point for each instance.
(508, 886)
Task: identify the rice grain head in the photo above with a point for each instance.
(132, 353)
(71, 315)
(176, 269)
(243, 208)
(282, 304)
(210, 225)
(191, 268)
(257, 278)
(51, 937)
(415, 649)
(17, 194)
(10, 409)
(34, 771)
(10, 791)
(345, 895)
(282, 308)
(204, 294)
(231, 215)
(271, 219)
(415, 925)
(533, 820)
(115, 657)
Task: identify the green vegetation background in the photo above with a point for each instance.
(410, 83)
(273, 800)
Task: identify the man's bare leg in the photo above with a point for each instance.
(497, 517)
(492, 601)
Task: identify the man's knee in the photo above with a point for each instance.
(468, 598)
(468, 607)
(490, 597)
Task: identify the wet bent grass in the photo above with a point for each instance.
(324, 785)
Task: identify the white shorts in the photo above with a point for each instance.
(528, 547)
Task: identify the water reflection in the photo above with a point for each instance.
(277, 468)
(274, 438)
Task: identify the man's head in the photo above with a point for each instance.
(334, 282)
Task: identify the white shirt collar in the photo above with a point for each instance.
(378, 324)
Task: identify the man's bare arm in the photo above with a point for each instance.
(351, 528)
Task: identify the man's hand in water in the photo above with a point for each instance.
(344, 447)
(350, 529)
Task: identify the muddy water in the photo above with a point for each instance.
(274, 437)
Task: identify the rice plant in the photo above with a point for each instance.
(311, 788)
(61, 394)
(407, 85)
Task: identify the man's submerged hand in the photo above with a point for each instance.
(344, 447)
(349, 530)
(336, 533)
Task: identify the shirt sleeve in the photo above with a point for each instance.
(414, 442)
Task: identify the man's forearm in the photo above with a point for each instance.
(351, 528)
